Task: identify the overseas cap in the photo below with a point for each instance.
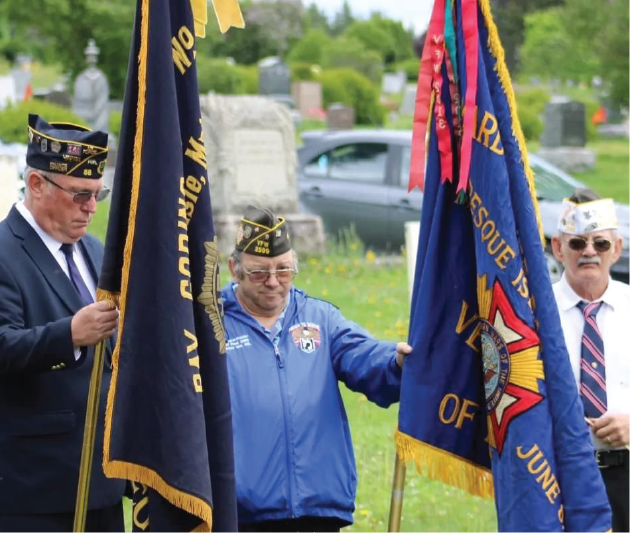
(261, 233)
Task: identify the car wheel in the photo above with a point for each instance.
(553, 265)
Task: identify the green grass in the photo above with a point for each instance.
(610, 175)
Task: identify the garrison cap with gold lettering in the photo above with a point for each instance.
(66, 148)
(261, 233)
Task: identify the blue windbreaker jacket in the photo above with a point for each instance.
(292, 447)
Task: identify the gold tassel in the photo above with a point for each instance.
(444, 466)
(504, 76)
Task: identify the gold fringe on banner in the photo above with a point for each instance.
(121, 469)
(504, 76)
(228, 14)
(444, 466)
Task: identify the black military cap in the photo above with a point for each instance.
(66, 148)
(261, 233)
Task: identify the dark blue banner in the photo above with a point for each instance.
(168, 421)
(488, 399)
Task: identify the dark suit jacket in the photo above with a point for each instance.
(43, 390)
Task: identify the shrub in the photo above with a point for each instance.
(352, 54)
(14, 118)
(115, 119)
(303, 72)
(219, 76)
(410, 67)
(249, 74)
(349, 87)
(531, 123)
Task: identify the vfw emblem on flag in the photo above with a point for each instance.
(306, 337)
(511, 368)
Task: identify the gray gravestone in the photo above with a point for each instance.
(340, 117)
(564, 138)
(307, 96)
(393, 82)
(8, 93)
(91, 92)
(21, 75)
(565, 124)
(252, 159)
(274, 76)
(408, 105)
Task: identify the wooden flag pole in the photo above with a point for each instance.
(89, 436)
(398, 490)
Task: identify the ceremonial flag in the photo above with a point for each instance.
(168, 419)
(488, 399)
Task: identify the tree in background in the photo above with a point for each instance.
(342, 19)
(386, 37)
(316, 19)
(57, 31)
(311, 48)
(509, 17)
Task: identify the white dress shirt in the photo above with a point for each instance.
(54, 246)
(613, 321)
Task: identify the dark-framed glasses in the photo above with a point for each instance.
(600, 244)
(82, 197)
(260, 276)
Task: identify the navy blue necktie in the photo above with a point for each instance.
(592, 365)
(75, 275)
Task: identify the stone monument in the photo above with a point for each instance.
(563, 142)
(393, 82)
(91, 92)
(308, 97)
(408, 105)
(252, 159)
(340, 117)
(274, 77)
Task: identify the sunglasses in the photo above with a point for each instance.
(600, 244)
(82, 197)
(260, 276)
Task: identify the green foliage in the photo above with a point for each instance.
(219, 76)
(349, 87)
(409, 66)
(531, 107)
(316, 19)
(342, 19)
(249, 74)
(351, 54)
(615, 57)
(373, 37)
(548, 45)
(115, 119)
(304, 72)
(310, 49)
(60, 30)
(14, 118)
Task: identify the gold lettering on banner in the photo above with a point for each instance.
(458, 409)
(193, 360)
(139, 506)
(463, 324)
(182, 42)
(489, 130)
(539, 467)
(496, 246)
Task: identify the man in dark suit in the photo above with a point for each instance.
(49, 323)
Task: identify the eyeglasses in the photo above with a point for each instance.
(82, 197)
(578, 244)
(259, 276)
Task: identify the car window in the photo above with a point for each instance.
(551, 186)
(361, 162)
(317, 167)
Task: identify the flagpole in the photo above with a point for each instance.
(89, 434)
(398, 490)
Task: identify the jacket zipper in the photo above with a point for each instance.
(286, 427)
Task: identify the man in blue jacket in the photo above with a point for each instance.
(48, 324)
(295, 468)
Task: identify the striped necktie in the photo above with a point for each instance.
(592, 365)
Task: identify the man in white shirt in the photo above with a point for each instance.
(49, 323)
(595, 312)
